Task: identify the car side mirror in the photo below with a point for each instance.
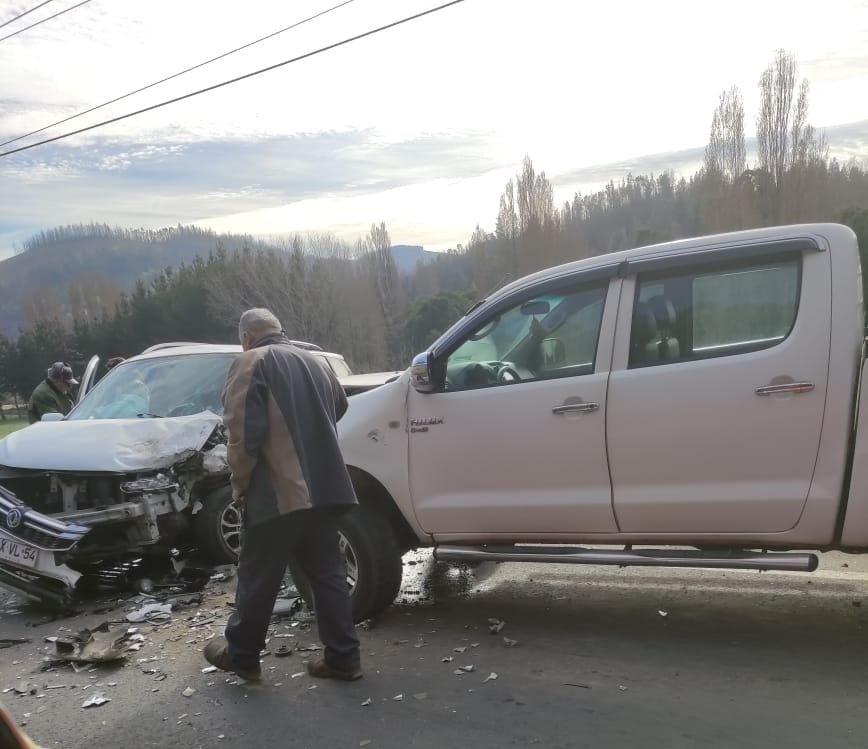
(554, 353)
(54, 416)
(420, 373)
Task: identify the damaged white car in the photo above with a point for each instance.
(137, 468)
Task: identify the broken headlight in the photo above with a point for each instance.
(147, 484)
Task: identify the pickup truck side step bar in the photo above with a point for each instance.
(735, 560)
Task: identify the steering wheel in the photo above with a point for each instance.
(507, 374)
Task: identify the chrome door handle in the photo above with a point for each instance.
(785, 387)
(576, 408)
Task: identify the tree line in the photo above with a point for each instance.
(352, 299)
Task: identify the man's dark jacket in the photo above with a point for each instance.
(281, 407)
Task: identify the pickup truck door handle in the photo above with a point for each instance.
(785, 387)
(568, 408)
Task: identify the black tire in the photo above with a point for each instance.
(374, 566)
(214, 526)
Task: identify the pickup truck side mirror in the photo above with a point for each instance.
(53, 416)
(420, 373)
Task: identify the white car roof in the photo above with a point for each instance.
(193, 349)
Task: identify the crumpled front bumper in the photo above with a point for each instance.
(50, 580)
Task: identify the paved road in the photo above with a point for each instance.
(738, 660)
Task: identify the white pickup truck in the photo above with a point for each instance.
(689, 404)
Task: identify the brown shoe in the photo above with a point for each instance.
(321, 670)
(217, 654)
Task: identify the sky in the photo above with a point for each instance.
(419, 126)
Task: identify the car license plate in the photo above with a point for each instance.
(12, 550)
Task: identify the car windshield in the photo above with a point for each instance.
(164, 386)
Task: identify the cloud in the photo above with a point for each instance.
(136, 183)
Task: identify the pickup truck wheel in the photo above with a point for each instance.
(218, 527)
(372, 558)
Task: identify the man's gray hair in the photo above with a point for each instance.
(259, 321)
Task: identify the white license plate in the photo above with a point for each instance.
(12, 550)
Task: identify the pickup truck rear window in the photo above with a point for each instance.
(712, 311)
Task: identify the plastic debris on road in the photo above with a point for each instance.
(491, 677)
(189, 692)
(95, 700)
(509, 643)
(152, 612)
(495, 626)
(96, 645)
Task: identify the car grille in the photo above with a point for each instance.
(36, 529)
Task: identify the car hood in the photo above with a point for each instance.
(110, 445)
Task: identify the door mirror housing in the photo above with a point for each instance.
(53, 416)
(420, 373)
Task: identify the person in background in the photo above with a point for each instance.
(52, 395)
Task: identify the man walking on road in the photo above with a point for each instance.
(52, 394)
(281, 406)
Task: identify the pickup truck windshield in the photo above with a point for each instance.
(152, 388)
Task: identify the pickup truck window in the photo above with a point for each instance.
(714, 311)
(541, 337)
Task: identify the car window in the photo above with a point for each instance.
(339, 366)
(540, 337)
(714, 311)
(164, 386)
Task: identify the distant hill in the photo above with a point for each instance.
(67, 268)
(406, 256)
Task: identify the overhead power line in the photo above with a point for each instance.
(21, 15)
(44, 20)
(176, 75)
(305, 56)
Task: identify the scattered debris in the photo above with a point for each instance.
(467, 669)
(95, 700)
(491, 677)
(474, 644)
(209, 669)
(9, 642)
(366, 702)
(459, 650)
(622, 687)
(287, 606)
(25, 688)
(663, 613)
(152, 612)
(495, 626)
(300, 673)
(420, 696)
(578, 686)
(283, 651)
(509, 643)
(447, 659)
(398, 698)
(189, 692)
(92, 646)
(365, 742)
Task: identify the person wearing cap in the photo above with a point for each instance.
(52, 395)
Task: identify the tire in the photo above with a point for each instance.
(374, 566)
(217, 527)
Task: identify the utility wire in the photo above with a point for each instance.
(44, 20)
(21, 15)
(306, 55)
(176, 75)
